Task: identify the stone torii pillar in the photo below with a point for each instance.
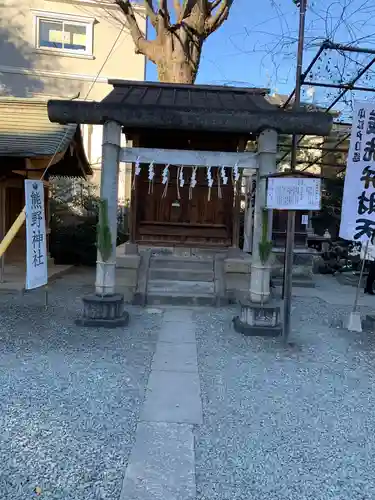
(260, 272)
(105, 283)
(105, 308)
(259, 317)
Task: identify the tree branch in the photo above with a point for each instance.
(142, 46)
(214, 4)
(177, 9)
(186, 8)
(163, 7)
(216, 19)
(149, 6)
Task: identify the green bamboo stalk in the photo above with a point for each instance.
(104, 240)
(264, 246)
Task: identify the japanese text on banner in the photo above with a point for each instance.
(358, 206)
(36, 248)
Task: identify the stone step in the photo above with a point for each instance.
(177, 274)
(181, 287)
(180, 299)
(194, 264)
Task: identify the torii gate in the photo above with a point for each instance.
(189, 108)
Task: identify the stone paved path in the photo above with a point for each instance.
(162, 463)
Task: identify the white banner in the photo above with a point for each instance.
(293, 193)
(358, 204)
(36, 247)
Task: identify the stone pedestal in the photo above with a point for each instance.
(105, 312)
(127, 275)
(237, 276)
(257, 320)
(129, 248)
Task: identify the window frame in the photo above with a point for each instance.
(57, 17)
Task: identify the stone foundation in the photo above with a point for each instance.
(127, 266)
(132, 271)
(106, 312)
(259, 320)
(237, 271)
(303, 263)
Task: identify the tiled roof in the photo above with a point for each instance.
(199, 108)
(25, 129)
(26, 132)
(194, 97)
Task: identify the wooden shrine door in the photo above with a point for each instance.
(180, 216)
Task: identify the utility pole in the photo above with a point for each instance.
(289, 251)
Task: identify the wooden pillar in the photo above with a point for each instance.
(248, 218)
(237, 202)
(236, 216)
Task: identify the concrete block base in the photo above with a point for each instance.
(259, 320)
(103, 312)
(354, 323)
(127, 274)
(237, 270)
(256, 331)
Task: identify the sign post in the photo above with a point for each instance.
(289, 247)
(292, 191)
(289, 192)
(36, 247)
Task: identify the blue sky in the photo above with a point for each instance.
(257, 44)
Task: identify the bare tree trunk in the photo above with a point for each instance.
(177, 49)
(176, 72)
(180, 54)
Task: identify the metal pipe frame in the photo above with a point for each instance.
(304, 75)
(328, 45)
(340, 86)
(343, 139)
(308, 148)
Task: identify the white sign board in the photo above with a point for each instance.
(36, 247)
(293, 193)
(305, 220)
(358, 203)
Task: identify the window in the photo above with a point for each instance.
(63, 33)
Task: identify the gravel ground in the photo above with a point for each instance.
(291, 424)
(69, 396)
